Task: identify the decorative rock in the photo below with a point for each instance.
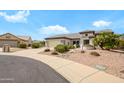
(101, 67)
(71, 51)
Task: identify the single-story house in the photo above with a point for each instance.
(13, 40)
(66, 39)
(81, 38)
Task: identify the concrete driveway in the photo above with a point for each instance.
(72, 71)
(15, 69)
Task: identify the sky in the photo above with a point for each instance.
(40, 24)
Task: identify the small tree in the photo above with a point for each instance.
(42, 43)
(22, 45)
(35, 45)
(106, 40)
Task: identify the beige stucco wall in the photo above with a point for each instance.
(91, 41)
(54, 42)
(83, 37)
(89, 34)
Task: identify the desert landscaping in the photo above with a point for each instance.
(108, 61)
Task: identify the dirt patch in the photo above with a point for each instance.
(113, 62)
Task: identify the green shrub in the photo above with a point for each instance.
(77, 46)
(41, 43)
(47, 50)
(61, 48)
(107, 47)
(54, 53)
(70, 46)
(95, 54)
(35, 45)
(23, 45)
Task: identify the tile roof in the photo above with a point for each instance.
(71, 36)
(87, 31)
(24, 37)
(78, 35)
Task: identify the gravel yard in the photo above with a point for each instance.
(112, 62)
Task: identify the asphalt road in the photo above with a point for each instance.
(15, 69)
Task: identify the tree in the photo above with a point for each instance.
(106, 40)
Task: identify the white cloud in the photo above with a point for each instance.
(19, 17)
(101, 23)
(52, 30)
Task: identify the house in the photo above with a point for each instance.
(82, 38)
(66, 39)
(122, 37)
(13, 40)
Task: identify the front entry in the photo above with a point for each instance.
(76, 43)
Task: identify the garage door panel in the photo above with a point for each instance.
(11, 43)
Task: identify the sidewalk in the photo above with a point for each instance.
(72, 71)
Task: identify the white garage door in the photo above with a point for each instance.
(11, 43)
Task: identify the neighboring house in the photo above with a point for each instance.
(122, 37)
(13, 40)
(82, 38)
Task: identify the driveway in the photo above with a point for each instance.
(15, 69)
(30, 69)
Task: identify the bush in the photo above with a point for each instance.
(95, 54)
(47, 50)
(42, 43)
(70, 46)
(54, 53)
(23, 45)
(77, 46)
(61, 48)
(35, 45)
(107, 47)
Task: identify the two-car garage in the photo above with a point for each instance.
(9, 42)
(14, 41)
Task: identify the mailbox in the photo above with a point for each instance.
(6, 48)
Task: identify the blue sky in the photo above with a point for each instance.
(43, 23)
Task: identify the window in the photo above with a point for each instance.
(86, 34)
(63, 42)
(76, 42)
(86, 42)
